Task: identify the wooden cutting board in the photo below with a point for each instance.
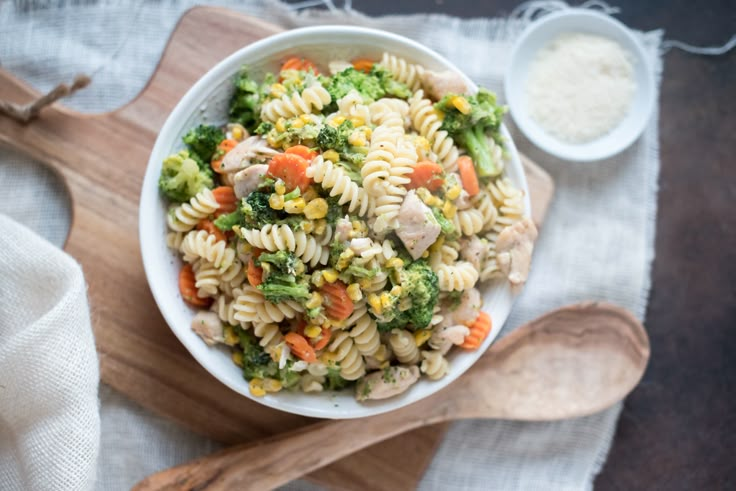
(102, 159)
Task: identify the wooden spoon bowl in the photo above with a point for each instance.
(571, 362)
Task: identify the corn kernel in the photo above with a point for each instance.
(279, 187)
(271, 385)
(385, 300)
(424, 194)
(422, 144)
(231, 339)
(335, 122)
(461, 104)
(453, 193)
(337, 324)
(354, 292)
(315, 300)
(330, 275)
(237, 133)
(299, 268)
(365, 282)
(327, 324)
(344, 259)
(357, 121)
(306, 118)
(256, 387)
(237, 358)
(295, 205)
(331, 155)
(421, 337)
(317, 280)
(395, 262)
(357, 139)
(437, 246)
(317, 208)
(425, 254)
(328, 358)
(276, 202)
(385, 364)
(396, 291)
(281, 125)
(277, 90)
(297, 123)
(271, 141)
(375, 302)
(367, 131)
(313, 331)
(320, 226)
(449, 210)
(434, 201)
(308, 226)
(309, 194)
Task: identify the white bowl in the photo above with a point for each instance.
(537, 36)
(207, 102)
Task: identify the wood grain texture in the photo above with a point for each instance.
(102, 158)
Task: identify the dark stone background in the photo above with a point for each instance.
(678, 428)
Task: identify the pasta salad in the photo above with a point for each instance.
(334, 232)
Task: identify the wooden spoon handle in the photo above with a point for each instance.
(285, 457)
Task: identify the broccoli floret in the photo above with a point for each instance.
(361, 272)
(245, 105)
(369, 86)
(472, 130)
(419, 283)
(334, 381)
(202, 141)
(305, 134)
(257, 212)
(227, 221)
(446, 226)
(333, 138)
(282, 281)
(390, 85)
(181, 178)
(256, 362)
(336, 248)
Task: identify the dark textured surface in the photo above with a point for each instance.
(678, 428)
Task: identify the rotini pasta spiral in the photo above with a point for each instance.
(174, 239)
(185, 217)
(509, 202)
(456, 277)
(376, 167)
(206, 278)
(346, 354)
(484, 204)
(281, 237)
(314, 97)
(223, 307)
(251, 306)
(200, 244)
(425, 120)
(351, 106)
(407, 73)
(268, 333)
(403, 346)
(389, 112)
(468, 222)
(334, 178)
(365, 333)
(434, 365)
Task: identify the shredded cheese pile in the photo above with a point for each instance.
(580, 87)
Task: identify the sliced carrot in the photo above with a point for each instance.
(222, 149)
(468, 175)
(255, 274)
(302, 151)
(363, 65)
(336, 302)
(211, 229)
(300, 347)
(292, 169)
(296, 63)
(426, 174)
(324, 340)
(188, 290)
(225, 197)
(479, 330)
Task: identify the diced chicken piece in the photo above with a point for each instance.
(418, 228)
(360, 245)
(473, 250)
(338, 65)
(247, 180)
(209, 327)
(466, 311)
(444, 337)
(386, 383)
(514, 248)
(343, 227)
(439, 84)
(253, 149)
(463, 202)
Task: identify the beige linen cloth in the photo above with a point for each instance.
(50, 427)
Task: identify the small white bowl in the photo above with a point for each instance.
(537, 36)
(206, 102)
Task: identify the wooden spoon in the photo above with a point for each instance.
(571, 362)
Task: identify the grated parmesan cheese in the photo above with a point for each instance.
(580, 86)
